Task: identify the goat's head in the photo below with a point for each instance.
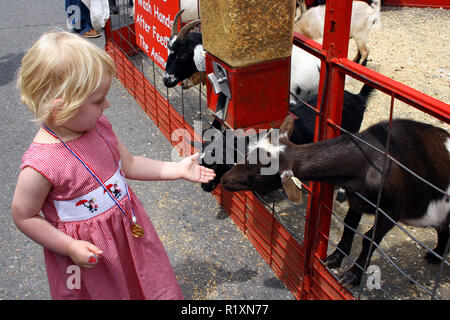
(221, 153)
(180, 61)
(258, 174)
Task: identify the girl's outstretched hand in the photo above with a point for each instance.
(190, 170)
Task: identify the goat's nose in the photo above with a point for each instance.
(209, 187)
(169, 80)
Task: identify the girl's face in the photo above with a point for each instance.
(90, 111)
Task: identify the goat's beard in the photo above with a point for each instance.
(170, 80)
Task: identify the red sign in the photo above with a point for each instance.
(153, 22)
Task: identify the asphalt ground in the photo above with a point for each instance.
(211, 257)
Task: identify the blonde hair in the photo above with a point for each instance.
(64, 67)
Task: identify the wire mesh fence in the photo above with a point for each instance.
(281, 230)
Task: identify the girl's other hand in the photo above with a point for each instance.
(81, 253)
(190, 170)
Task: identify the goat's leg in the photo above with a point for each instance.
(358, 56)
(354, 275)
(114, 9)
(302, 6)
(351, 222)
(443, 235)
(340, 196)
(362, 50)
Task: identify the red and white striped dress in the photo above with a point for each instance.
(130, 268)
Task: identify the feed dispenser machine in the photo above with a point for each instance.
(248, 47)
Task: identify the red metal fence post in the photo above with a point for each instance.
(331, 92)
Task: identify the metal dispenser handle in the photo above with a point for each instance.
(220, 84)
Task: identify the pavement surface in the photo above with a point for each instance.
(211, 257)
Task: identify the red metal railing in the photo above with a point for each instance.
(296, 261)
(418, 3)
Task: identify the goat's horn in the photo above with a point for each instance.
(187, 28)
(175, 23)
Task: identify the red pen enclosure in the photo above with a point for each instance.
(293, 239)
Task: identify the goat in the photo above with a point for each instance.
(353, 109)
(190, 7)
(301, 7)
(363, 19)
(186, 58)
(225, 149)
(185, 53)
(354, 106)
(358, 168)
(305, 74)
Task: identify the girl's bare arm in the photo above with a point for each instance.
(142, 168)
(31, 190)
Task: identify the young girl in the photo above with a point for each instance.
(74, 172)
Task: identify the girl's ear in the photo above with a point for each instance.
(56, 106)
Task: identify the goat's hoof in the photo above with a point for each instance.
(351, 278)
(333, 261)
(432, 258)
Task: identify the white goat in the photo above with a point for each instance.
(364, 18)
(305, 74)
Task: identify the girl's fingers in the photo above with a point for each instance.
(94, 249)
(94, 255)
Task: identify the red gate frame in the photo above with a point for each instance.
(418, 3)
(297, 264)
(405, 3)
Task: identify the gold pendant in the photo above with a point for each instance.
(136, 231)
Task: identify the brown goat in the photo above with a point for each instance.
(358, 168)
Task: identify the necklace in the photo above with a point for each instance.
(136, 230)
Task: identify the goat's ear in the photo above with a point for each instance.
(203, 77)
(292, 186)
(287, 127)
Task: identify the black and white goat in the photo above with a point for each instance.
(186, 54)
(305, 74)
(353, 109)
(357, 167)
(187, 58)
(354, 106)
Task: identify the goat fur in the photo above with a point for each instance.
(354, 106)
(358, 168)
